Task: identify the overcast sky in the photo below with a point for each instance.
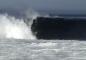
(45, 4)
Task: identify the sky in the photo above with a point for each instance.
(71, 5)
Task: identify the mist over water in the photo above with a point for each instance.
(14, 28)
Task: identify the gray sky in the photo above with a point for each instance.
(45, 4)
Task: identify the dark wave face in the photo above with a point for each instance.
(59, 28)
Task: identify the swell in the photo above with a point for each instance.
(59, 28)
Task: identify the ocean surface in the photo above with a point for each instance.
(13, 49)
(32, 36)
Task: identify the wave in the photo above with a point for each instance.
(33, 26)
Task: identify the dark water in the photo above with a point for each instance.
(63, 28)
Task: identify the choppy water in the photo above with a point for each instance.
(12, 49)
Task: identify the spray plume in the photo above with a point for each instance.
(10, 27)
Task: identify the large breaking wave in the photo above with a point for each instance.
(36, 26)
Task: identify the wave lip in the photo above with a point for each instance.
(59, 28)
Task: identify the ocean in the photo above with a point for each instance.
(32, 36)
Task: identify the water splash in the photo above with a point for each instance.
(10, 27)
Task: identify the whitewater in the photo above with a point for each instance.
(10, 27)
(18, 43)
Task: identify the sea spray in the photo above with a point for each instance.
(10, 27)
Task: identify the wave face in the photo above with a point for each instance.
(59, 28)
